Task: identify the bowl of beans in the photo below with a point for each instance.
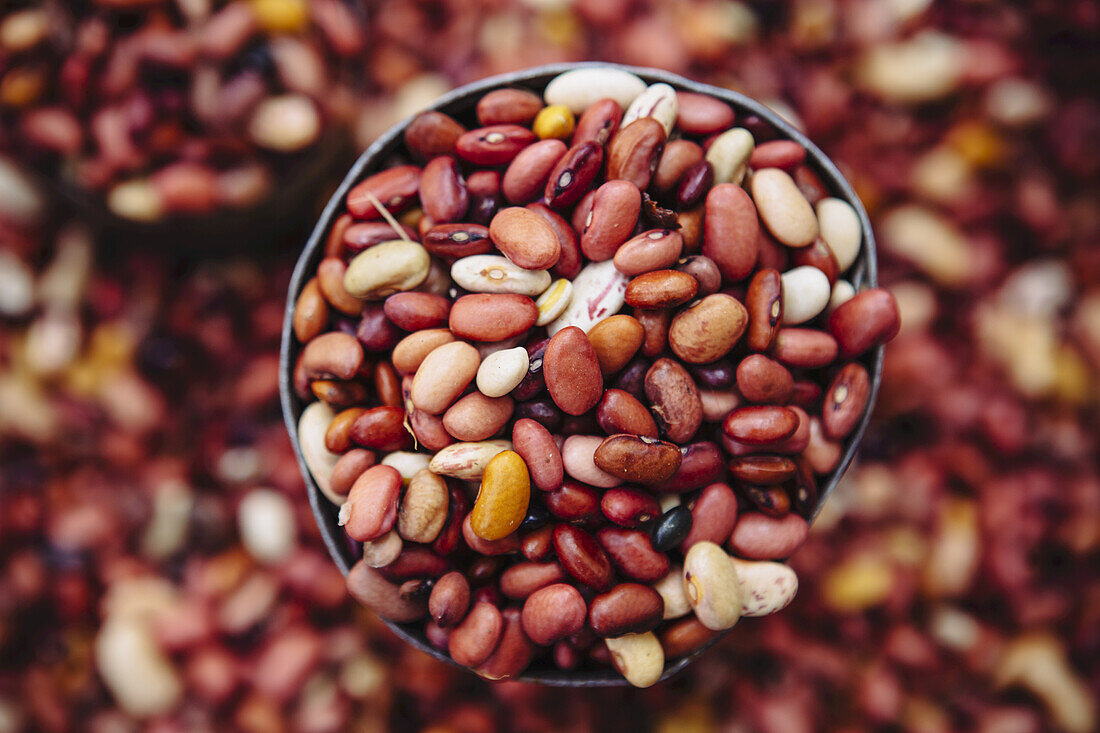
(571, 362)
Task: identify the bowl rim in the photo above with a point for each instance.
(864, 273)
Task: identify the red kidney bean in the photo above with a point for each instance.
(332, 355)
(381, 428)
(628, 608)
(633, 555)
(553, 613)
(338, 433)
(394, 188)
(784, 154)
(629, 507)
(514, 651)
(661, 289)
(677, 157)
(417, 311)
(443, 191)
(764, 302)
(638, 458)
(415, 563)
(572, 372)
(730, 231)
(579, 218)
(760, 425)
(684, 637)
(772, 501)
(310, 312)
(508, 107)
(822, 454)
(655, 323)
(598, 123)
(634, 151)
(371, 507)
(450, 599)
(493, 144)
(655, 249)
(492, 316)
(867, 320)
(330, 280)
(805, 393)
(760, 537)
(361, 236)
(537, 544)
(804, 348)
(484, 569)
(370, 588)
(809, 183)
(845, 401)
(569, 261)
(523, 579)
(573, 174)
(703, 270)
(573, 502)
(375, 331)
(702, 114)
(619, 412)
(477, 636)
(702, 464)
(759, 379)
(817, 255)
(694, 185)
(481, 546)
(529, 171)
(674, 399)
(535, 381)
(451, 242)
(432, 133)
(539, 451)
(526, 238)
(762, 470)
(349, 467)
(614, 214)
(713, 516)
(582, 557)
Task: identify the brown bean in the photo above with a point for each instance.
(655, 323)
(569, 262)
(799, 439)
(332, 355)
(773, 501)
(334, 245)
(413, 311)
(611, 220)
(536, 544)
(759, 424)
(763, 470)
(760, 537)
(492, 316)
(629, 507)
(526, 238)
(528, 173)
(481, 546)
(415, 563)
(691, 228)
(582, 557)
(822, 453)
(538, 450)
(678, 157)
(805, 393)
(387, 384)
(684, 637)
(330, 280)
(572, 371)
(310, 312)
(493, 144)
(553, 613)
(616, 340)
(620, 412)
(708, 329)
(804, 348)
(628, 608)
(731, 231)
(350, 467)
(633, 555)
(338, 432)
(523, 579)
(702, 114)
(713, 516)
(338, 395)
(411, 351)
(514, 651)
(394, 188)
(655, 249)
(573, 174)
(784, 154)
(599, 122)
(432, 133)
(818, 255)
(443, 190)
(451, 242)
(674, 399)
(365, 234)
(865, 321)
(661, 289)
(573, 502)
(759, 379)
(638, 458)
(477, 417)
(477, 636)
(450, 599)
(371, 508)
(370, 588)
(764, 303)
(634, 151)
(845, 401)
(508, 107)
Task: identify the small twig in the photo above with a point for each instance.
(387, 216)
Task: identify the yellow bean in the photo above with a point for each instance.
(555, 121)
(501, 503)
(281, 16)
(553, 301)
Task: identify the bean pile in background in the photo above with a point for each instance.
(539, 462)
(985, 432)
(175, 108)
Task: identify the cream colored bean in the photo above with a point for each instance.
(599, 291)
(285, 123)
(424, 507)
(319, 460)
(806, 292)
(502, 371)
(638, 657)
(668, 501)
(716, 405)
(381, 552)
(443, 376)
(729, 155)
(766, 587)
(657, 101)
(407, 463)
(498, 274)
(782, 207)
(467, 461)
(712, 586)
(840, 229)
(387, 268)
(580, 88)
(842, 293)
(577, 455)
(553, 301)
(671, 589)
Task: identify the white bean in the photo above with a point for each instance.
(806, 292)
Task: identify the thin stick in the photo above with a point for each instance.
(387, 216)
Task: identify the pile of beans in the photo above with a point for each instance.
(585, 387)
(174, 108)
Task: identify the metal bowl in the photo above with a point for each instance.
(460, 104)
